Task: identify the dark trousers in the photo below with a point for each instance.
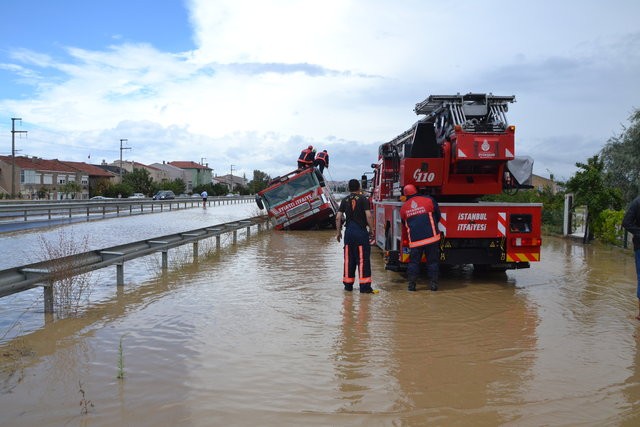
(319, 164)
(357, 253)
(432, 255)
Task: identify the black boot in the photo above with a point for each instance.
(412, 286)
(348, 287)
(366, 289)
(434, 285)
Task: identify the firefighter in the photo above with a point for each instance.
(420, 215)
(321, 161)
(305, 160)
(631, 223)
(357, 250)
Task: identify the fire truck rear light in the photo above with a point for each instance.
(526, 241)
(457, 128)
(511, 128)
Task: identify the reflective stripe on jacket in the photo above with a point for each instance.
(304, 156)
(324, 157)
(420, 216)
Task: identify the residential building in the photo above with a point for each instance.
(171, 172)
(539, 183)
(157, 175)
(196, 174)
(230, 181)
(37, 178)
(97, 175)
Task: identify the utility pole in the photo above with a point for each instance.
(13, 154)
(122, 148)
(231, 180)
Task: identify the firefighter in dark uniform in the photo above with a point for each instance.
(631, 223)
(321, 161)
(420, 216)
(305, 160)
(357, 250)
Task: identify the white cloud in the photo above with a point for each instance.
(267, 78)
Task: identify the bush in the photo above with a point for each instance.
(608, 226)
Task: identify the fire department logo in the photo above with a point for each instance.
(413, 204)
(485, 145)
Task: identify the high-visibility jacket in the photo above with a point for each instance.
(323, 156)
(306, 156)
(420, 216)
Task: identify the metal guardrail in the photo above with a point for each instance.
(19, 279)
(39, 210)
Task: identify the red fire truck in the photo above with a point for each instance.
(462, 149)
(299, 200)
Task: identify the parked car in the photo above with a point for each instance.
(164, 195)
(137, 196)
(100, 198)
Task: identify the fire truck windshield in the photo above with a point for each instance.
(290, 188)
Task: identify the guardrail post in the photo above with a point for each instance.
(48, 298)
(120, 274)
(235, 236)
(218, 242)
(117, 210)
(69, 212)
(49, 211)
(195, 251)
(165, 260)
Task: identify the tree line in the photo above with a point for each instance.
(140, 181)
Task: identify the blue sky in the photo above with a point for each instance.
(250, 83)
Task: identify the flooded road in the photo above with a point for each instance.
(261, 333)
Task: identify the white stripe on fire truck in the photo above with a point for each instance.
(442, 225)
(502, 223)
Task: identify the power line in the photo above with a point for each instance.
(13, 154)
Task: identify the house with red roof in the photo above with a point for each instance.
(195, 173)
(37, 178)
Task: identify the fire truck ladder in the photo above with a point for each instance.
(468, 111)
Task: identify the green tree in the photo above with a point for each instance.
(114, 190)
(219, 189)
(177, 186)
(139, 181)
(590, 189)
(621, 157)
(71, 187)
(259, 182)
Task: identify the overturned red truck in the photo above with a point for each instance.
(463, 149)
(299, 200)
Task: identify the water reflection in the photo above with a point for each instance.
(262, 334)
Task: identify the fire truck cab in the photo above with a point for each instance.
(299, 200)
(462, 149)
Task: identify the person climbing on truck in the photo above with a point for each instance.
(322, 160)
(357, 250)
(305, 160)
(420, 215)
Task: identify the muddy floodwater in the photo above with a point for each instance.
(261, 334)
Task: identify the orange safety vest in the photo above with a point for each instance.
(324, 157)
(304, 156)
